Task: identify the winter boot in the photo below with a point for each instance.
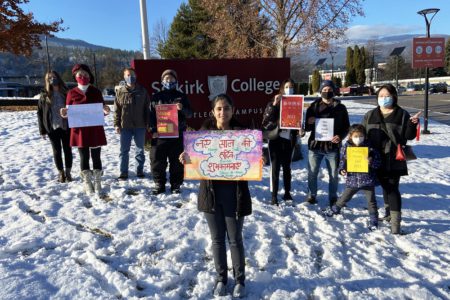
(274, 200)
(333, 210)
(373, 221)
(68, 176)
(220, 289)
(333, 201)
(287, 196)
(86, 175)
(396, 218)
(387, 213)
(239, 291)
(61, 176)
(98, 181)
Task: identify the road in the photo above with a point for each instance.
(438, 105)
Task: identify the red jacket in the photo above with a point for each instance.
(93, 136)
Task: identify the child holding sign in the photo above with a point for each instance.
(358, 164)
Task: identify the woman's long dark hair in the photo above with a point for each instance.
(49, 87)
(392, 90)
(281, 90)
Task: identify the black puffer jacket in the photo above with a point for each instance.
(336, 111)
(206, 198)
(401, 128)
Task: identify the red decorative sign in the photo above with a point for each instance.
(428, 52)
(167, 120)
(251, 83)
(291, 112)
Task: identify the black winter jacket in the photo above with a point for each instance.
(401, 128)
(44, 113)
(206, 201)
(336, 111)
(171, 97)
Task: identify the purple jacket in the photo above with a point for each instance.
(359, 180)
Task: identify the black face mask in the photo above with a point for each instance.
(53, 81)
(327, 95)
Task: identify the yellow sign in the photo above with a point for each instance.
(357, 159)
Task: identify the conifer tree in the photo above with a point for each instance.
(186, 39)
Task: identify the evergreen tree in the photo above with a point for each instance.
(186, 39)
(315, 81)
(349, 67)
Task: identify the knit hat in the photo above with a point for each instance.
(169, 72)
(85, 68)
(327, 83)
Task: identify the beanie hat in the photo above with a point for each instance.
(169, 72)
(85, 68)
(327, 83)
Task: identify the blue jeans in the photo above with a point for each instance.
(332, 160)
(138, 134)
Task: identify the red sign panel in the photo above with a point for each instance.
(428, 52)
(251, 83)
(167, 120)
(291, 112)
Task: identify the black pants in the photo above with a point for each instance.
(280, 151)
(86, 153)
(391, 192)
(161, 151)
(60, 140)
(224, 223)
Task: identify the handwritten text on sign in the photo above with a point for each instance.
(357, 159)
(224, 155)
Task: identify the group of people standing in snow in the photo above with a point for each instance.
(226, 203)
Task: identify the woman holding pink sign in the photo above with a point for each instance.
(225, 204)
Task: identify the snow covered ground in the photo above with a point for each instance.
(57, 243)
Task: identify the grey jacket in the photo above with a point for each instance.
(132, 108)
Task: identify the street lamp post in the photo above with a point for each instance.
(144, 29)
(424, 13)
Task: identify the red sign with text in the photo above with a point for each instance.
(167, 120)
(291, 112)
(428, 52)
(251, 83)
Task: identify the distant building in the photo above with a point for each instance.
(371, 75)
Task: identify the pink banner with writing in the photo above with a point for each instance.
(167, 120)
(223, 155)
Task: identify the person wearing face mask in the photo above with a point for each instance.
(163, 149)
(387, 126)
(356, 182)
(325, 107)
(281, 147)
(51, 124)
(88, 140)
(131, 119)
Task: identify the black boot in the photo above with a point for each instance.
(61, 176)
(274, 200)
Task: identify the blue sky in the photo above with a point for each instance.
(116, 24)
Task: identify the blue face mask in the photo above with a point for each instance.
(169, 85)
(385, 101)
(130, 79)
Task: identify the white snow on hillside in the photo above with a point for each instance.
(57, 243)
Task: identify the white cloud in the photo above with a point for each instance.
(375, 31)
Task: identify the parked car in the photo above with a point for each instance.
(109, 92)
(357, 90)
(440, 87)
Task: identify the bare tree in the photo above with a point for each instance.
(300, 22)
(159, 37)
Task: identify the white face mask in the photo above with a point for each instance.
(358, 140)
(289, 91)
